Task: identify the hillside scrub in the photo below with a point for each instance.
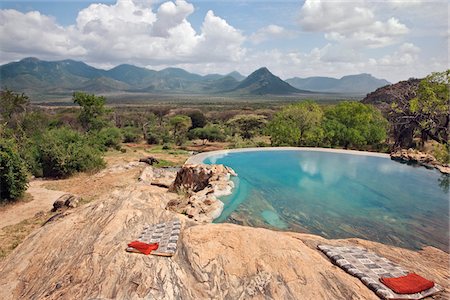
(13, 171)
(64, 152)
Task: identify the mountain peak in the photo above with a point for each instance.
(30, 60)
(262, 82)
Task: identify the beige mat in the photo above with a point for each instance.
(165, 234)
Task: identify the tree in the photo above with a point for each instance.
(13, 106)
(425, 116)
(247, 125)
(297, 125)
(210, 133)
(180, 125)
(353, 124)
(198, 119)
(13, 171)
(92, 110)
(430, 109)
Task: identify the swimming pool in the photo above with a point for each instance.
(337, 195)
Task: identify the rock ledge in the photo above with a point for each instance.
(421, 158)
(200, 186)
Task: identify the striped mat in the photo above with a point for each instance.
(165, 234)
(369, 267)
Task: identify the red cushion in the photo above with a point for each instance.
(409, 284)
(143, 247)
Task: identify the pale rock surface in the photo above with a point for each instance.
(421, 158)
(82, 255)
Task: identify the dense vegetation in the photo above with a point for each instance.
(60, 142)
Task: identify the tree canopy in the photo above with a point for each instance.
(297, 125)
(425, 116)
(247, 125)
(353, 124)
(92, 110)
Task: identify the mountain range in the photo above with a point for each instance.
(34, 76)
(352, 84)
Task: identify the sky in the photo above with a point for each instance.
(390, 39)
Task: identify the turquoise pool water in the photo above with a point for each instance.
(338, 195)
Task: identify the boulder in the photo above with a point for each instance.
(65, 201)
(149, 160)
(200, 185)
(162, 177)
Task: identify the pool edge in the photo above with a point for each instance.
(199, 158)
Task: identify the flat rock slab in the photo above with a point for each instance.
(81, 256)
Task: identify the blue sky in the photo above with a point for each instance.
(390, 39)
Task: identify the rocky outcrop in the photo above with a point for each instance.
(400, 92)
(201, 185)
(425, 159)
(162, 177)
(82, 256)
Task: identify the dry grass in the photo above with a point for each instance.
(11, 236)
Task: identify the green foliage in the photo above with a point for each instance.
(441, 153)
(353, 124)
(430, 109)
(180, 125)
(131, 134)
(297, 125)
(247, 126)
(12, 107)
(108, 137)
(198, 119)
(13, 171)
(211, 133)
(64, 151)
(92, 110)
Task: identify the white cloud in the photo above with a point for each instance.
(350, 22)
(406, 54)
(170, 15)
(127, 31)
(36, 34)
(269, 32)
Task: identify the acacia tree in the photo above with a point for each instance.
(13, 107)
(92, 110)
(180, 125)
(247, 125)
(297, 125)
(425, 116)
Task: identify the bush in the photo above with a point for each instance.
(13, 171)
(109, 137)
(64, 152)
(209, 133)
(131, 134)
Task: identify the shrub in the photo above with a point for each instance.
(131, 134)
(64, 151)
(109, 137)
(209, 133)
(13, 171)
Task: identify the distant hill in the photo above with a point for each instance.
(236, 75)
(38, 77)
(352, 84)
(262, 82)
(400, 92)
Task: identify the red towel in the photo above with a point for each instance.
(143, 247)
(409, 284)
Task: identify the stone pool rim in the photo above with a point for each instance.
(200, 157)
